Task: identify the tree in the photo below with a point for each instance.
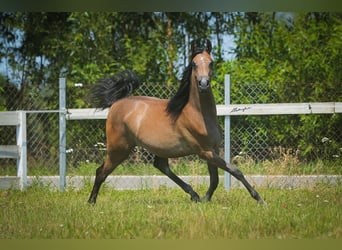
(298, 59)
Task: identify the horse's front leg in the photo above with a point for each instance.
(214, 159)
(163, 165)
(214, 180)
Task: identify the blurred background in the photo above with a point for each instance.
(271, 57)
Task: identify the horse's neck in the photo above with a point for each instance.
(203, 103)
(208, 106)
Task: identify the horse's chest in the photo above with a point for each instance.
(207, 134)
(213, 137)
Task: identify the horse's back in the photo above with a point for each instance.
(136, 105)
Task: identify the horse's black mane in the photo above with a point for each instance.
(181, 98)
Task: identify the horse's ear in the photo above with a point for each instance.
(200, 45)
(208, 47)
(193, 46)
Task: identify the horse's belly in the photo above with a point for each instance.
(168, 148)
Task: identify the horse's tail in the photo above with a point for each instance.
(110, 89)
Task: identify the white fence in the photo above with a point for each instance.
(235, 109)
(18, 151)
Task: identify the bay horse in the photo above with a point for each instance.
(183, 125)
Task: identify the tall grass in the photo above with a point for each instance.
(286, 164)
(169, 214)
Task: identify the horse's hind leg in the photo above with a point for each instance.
(163, 165)
(111, 162)
(99, 179)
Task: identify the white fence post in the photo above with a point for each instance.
(227, 176)
(22, 147)
(62, 134)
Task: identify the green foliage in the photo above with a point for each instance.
(2, 100)
(289, 60)
(279, 57)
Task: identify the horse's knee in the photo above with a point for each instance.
(236, 172)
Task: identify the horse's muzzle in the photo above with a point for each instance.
(204, 84)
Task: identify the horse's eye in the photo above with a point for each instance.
(194, 65)
(211, 65)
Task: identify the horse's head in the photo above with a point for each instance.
(202, 63)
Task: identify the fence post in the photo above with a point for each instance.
(62, 134)
(227, 176)
(22, 145)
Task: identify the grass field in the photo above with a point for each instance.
(169, 214)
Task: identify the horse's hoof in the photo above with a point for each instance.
(205, 199)
(262, 202)
(91, 201)
(195, 198)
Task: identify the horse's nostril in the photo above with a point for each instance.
(203, 84)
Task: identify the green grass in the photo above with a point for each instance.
(199, 167)
(169, 214)
(282, 166)
(181, 168)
